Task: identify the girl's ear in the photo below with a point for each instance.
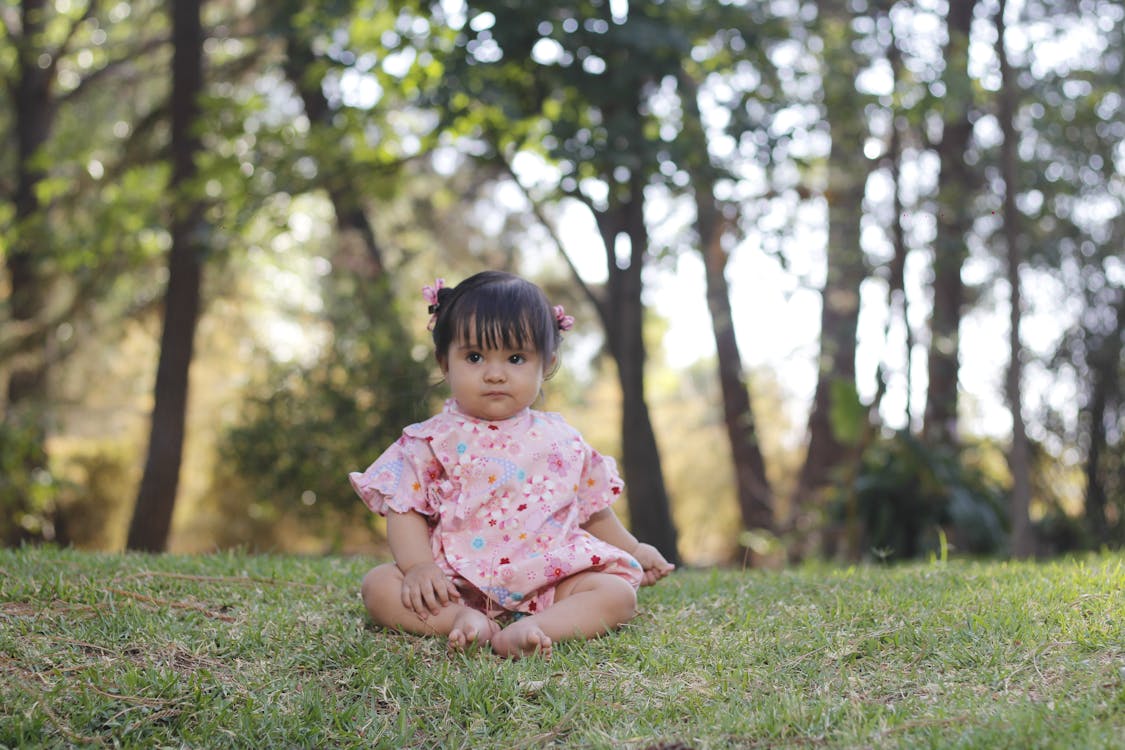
(443, 363)
(550, 368)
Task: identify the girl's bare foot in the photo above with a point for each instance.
(469, 627)
(522, 638)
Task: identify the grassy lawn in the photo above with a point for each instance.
(272, 651)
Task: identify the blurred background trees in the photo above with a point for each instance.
(940, 187)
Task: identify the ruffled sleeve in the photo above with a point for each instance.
(599, 486)
(401, 480)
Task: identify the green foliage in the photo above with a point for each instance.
(93, 511)
(306, 426)
(1071, 123)
(107, 81)
(571, 81)
(233, 650)
(847, 414)
(1058, 533)
(1110, 475)
(97, 241)
(27, 487)
(911, 499)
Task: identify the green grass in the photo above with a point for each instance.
(269, 651)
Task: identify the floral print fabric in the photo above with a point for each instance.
(505, 501)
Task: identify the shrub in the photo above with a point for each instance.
(910, 500)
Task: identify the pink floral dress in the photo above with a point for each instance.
(505, 501)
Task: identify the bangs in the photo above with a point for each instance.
(496, 310)
(489, 322)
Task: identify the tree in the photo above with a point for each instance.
(897, 299)
(1070, 203)
(954, 219)
(1104, 465)
(1019, 459)
(715, 223)
(846, 267)
(68, 238)
(27, 382)
(588, 111)
(152, 516)
(621, 312)
(305, 418)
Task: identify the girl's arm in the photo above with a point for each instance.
(425, 588)
(605, 525)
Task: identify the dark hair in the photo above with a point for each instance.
(502, 311)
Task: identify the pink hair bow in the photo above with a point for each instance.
(430, 294)
(566, 322)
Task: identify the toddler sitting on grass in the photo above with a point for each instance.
(498, 515)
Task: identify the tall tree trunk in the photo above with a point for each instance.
(898, 301)
(755, 497)
(898, 307)
(1019, 460)
(152, 516)
(622, 315)
(26, 390)
(1104, 362)
(846, 268)
(954, 218)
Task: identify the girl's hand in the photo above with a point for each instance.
(653, 564)
(425, 589)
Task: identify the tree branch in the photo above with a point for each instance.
(111, 67)
(87, 14)
(540, 215)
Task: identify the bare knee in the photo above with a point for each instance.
(624, 598)
(382, 592)
(616, 596)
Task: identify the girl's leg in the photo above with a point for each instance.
(382, 595)
(586, 606)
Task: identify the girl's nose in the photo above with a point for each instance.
(494, 374)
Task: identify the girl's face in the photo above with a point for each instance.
(493, 384)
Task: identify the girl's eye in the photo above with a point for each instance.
(517, 359)
(474, 357)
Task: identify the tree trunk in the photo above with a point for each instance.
(755, 497)
(152, 517)
(26, 390)
(898, 301)
(623, 318)
(1104, 362)
(846, 268)
(33, 123)
(954, 219)
(1019, 461)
